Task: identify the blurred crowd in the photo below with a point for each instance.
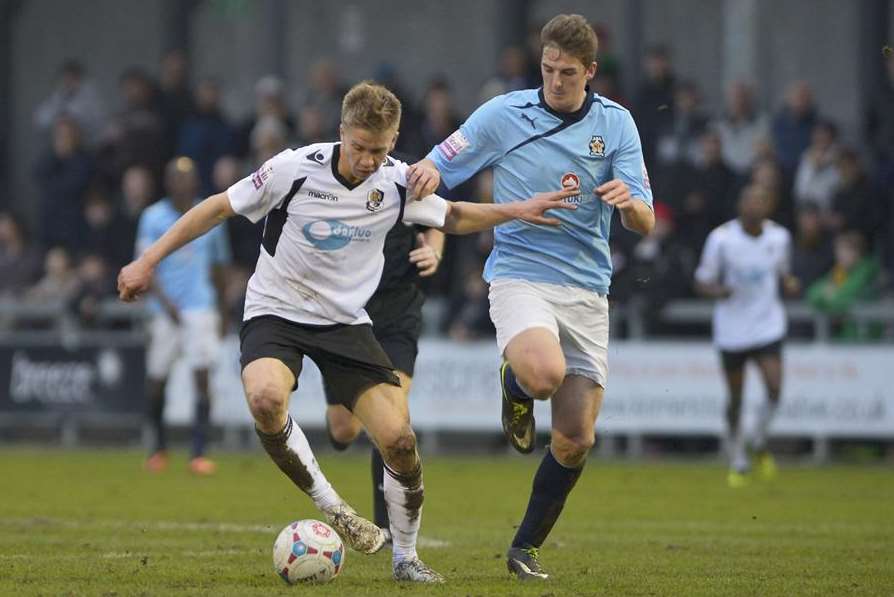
(103, 160)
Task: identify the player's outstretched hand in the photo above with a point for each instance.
(615, 193)
(533, 210)
(133, 280)
(425, 257)
(423, 179)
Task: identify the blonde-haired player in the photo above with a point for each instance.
(328, 208)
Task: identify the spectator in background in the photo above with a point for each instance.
(108, 236)
(439, 118)
(533, 52)
(245, 241)
(63, 174)
(856, 204)
(742, 129)
(137, 192)
(608, 82)
(880, 126)
(768, 174)
(659, 267)
(678, 144)
(709, 196)
(75, 98)
(206, 136)
(270, 101)
(817, 178)
(95, 284)
(386, 74)
(678, 136)
(653, 104)
(325, 93)
(20, 261)
(268, 138)
(59, 282)
(467, 314)
(136, 135)
(793, 125)
(311, 128)
(512, 74)
(812, 253)
(851, 280)
(175, 96)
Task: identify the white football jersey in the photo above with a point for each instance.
(751, 266)
(321, 255)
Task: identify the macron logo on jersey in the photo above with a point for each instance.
(453, 145)
(332, 235)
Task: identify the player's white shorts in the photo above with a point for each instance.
(196, 338)
(578, 317)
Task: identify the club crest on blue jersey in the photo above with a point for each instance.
(597, 146)
(374, 200)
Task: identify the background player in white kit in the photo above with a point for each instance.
(742, 265)
(329, 207)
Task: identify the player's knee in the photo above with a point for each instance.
(542, 380)
(399, 448)
(572, 450)
(344, 430)
(265, 403)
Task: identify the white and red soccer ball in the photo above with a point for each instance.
(308, 551)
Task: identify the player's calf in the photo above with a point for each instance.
(341, 427)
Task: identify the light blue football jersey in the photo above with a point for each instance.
(534, 149)
(185, 275)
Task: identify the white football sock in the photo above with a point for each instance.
(403, 496)
(738, 456)
(765, 413)
(292, 454)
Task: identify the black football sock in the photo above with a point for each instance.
(156, 421)
(380, 508)
(552, 484)
(200, 426)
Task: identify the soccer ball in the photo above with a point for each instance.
(309, 551)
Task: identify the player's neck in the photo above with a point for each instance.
(577, 105)
(344, 170)
(752, 228)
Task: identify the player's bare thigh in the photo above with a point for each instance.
(345, 427)
(268, 383)
(575, 408)
(382, 410)
(536, 358)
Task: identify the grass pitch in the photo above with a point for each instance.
(92, 523)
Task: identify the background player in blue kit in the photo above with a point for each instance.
(549, 286)
(186, 313)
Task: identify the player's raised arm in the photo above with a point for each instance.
(466, 218)
(136, 277)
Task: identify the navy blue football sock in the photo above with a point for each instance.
(380, 509)
(156, 421)
(200, 426)
(552, 484)
(513, 386)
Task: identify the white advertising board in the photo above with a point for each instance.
(654, 388)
